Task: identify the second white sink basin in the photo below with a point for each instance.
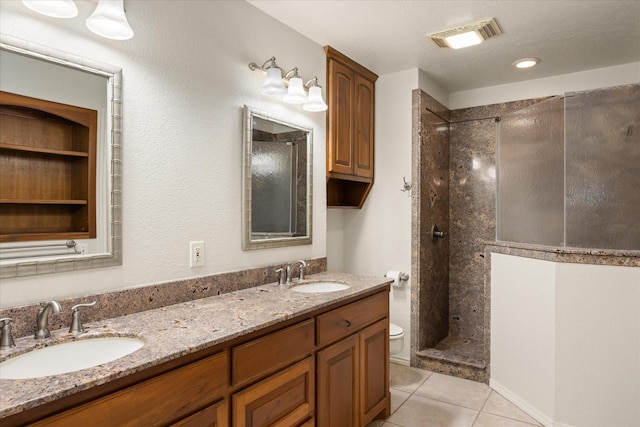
(314, 287)
(68, 357)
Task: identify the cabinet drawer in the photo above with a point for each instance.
(267, 354)
(281, 400)
(157, 401)
(212, 416)
(343, 321)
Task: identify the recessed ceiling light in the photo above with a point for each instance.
(526, 62)
(466, 35)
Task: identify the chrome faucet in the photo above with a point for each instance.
(292, 265)
(42, 319)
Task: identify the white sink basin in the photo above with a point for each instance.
(315, 287)
(68, 357)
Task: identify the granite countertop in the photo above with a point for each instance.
(173, 331)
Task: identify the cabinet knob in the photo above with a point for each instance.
(347, 323)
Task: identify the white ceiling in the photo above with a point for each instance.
(389, 35)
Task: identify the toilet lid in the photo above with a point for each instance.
(394, 330)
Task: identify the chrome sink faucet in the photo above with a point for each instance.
(42, 319)
(290, 267)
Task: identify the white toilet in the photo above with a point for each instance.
(396, 338)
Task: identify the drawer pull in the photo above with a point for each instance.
(347, 323)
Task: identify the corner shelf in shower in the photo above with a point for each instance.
(47, 170)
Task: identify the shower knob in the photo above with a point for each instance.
(435, 233)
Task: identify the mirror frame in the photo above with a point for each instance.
(113, 74)
(247, 242)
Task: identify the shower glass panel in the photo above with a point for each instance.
(273, 187)
(603, 168)
(530, 175)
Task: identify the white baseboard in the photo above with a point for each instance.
(542, 418)
(399, 361)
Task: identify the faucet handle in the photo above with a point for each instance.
(302, 266)
(281, 276)
(6, 340)
(76, 321)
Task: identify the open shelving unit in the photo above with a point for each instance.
(47, 170)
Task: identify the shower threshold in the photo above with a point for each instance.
(458, 356)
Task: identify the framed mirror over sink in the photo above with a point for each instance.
(60, 160)
(277, 177)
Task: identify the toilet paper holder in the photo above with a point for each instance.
(397, 276)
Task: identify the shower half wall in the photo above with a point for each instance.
(453, 173)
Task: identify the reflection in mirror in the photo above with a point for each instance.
(277, 182)
(52, 77)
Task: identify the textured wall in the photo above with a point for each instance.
(185, 82)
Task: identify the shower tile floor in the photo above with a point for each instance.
(421, 398)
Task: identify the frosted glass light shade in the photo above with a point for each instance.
(467, 39)
(295, 94)
(53, 8)
(273, 84)
(315, 102)
(109, 20)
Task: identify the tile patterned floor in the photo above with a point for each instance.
(422, 398)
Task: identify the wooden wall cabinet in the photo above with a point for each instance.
(350, 130)
(326, 368)
(47, 170)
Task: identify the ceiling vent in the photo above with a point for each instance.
(467, 35)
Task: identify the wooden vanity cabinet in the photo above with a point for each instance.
(350, 130)
(189, 394)
(326, 368)
(353, 373)
(47, 170)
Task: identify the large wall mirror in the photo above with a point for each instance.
(52, 76)
(277, 172)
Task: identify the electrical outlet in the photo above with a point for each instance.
(196, 254)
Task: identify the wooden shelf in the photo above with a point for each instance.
(47, 170)
(43, 202)
(43, 150)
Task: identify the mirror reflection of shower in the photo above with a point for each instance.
(274, 187)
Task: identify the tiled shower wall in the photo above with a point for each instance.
(430, 206)
(454, 171)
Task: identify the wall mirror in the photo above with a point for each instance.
(277, 177)
(45, 74)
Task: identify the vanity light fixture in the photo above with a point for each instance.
(290, 85)
(53, 8)
(315, 102)
(466, 35)
(107, 20)
(526, 62)
(110, 21)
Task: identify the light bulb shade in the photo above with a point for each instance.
(53, 8)
(315, 102)
(273, 84)
(109, 20)
(295, 94)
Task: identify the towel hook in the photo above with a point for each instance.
(406, 186)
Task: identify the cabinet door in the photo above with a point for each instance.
(374, 371)
(340, 96)
(338, 384)
(282, 400)
(213, 416)
(363, 141)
